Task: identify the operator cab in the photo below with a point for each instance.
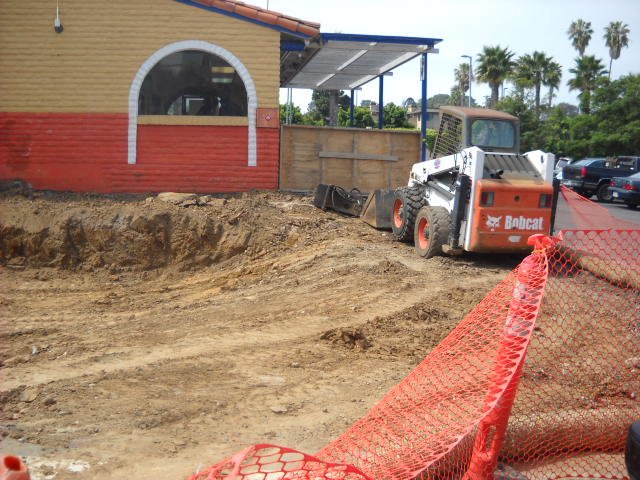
(492, 134)
(490, 130)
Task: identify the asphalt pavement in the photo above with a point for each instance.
(620, 210)
(565, 218)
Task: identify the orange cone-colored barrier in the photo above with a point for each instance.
(12, 468)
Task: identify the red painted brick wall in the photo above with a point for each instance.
(88, 153)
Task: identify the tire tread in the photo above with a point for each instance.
(440, 220)
(413, 199)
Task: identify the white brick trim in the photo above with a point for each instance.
(151, 62)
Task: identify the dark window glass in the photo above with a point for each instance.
(193, 83)
(590, 162)
(493, 133)
(626, 163)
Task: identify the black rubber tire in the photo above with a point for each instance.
(431, 232)
(604, 193)
(632, 452)
(632, 206)
(406, 203)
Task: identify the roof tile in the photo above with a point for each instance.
(287, 23)
(246, 11)
(268, 17)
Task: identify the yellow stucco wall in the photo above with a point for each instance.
(90, 66)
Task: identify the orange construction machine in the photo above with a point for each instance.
(477, 193)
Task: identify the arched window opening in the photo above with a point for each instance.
(193, 82)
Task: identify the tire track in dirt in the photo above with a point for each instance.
(170, 368)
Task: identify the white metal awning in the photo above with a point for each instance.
(348, 61)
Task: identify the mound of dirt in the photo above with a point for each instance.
(143, 338)
(135, 233)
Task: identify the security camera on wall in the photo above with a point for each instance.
(57, 23)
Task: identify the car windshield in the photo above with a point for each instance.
(493, 133)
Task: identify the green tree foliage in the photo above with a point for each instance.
(296, 114)
(568, 109)
(587, 75)
(532, 70)
(553, 134)
(431, 138)
(551, 79)
(362, 118)
(456, 97)
(522, 106)
(438, 100)
(616, 37)
(319, 107)
(580, 35)
(617, 113)
(395, 116)
(612, 128)
(495, 65)
(462, 78)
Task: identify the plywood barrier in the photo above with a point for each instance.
(349, 157)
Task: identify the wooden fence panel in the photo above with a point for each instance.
(348, 157)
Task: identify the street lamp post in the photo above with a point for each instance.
(470, 75)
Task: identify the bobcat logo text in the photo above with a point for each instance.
(493, 222)
(515, 223)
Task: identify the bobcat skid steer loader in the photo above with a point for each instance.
(476, 193)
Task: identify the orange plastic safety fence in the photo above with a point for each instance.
(438, 408)
(535, 383)
(270, 462)
(581, 379)
(578, 213)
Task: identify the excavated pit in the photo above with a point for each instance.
(142, 338)
(76, 232)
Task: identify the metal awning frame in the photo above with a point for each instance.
(340, 61)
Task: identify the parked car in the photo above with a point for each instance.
(626, 189)
(591, 176)
(560, 164)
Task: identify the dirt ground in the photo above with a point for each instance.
(145, 339)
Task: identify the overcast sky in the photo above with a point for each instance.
(465, 27)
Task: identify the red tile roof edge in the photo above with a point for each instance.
(268, 17)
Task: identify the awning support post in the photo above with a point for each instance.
(381, 103)
(423, 106)
(351, 109)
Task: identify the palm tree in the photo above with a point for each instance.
(495, 64)
(580, 35)
(587, 72)
(616, 36)
(462, 80)
(552, 77)
(531, 71)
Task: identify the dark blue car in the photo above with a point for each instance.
(626, 189)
